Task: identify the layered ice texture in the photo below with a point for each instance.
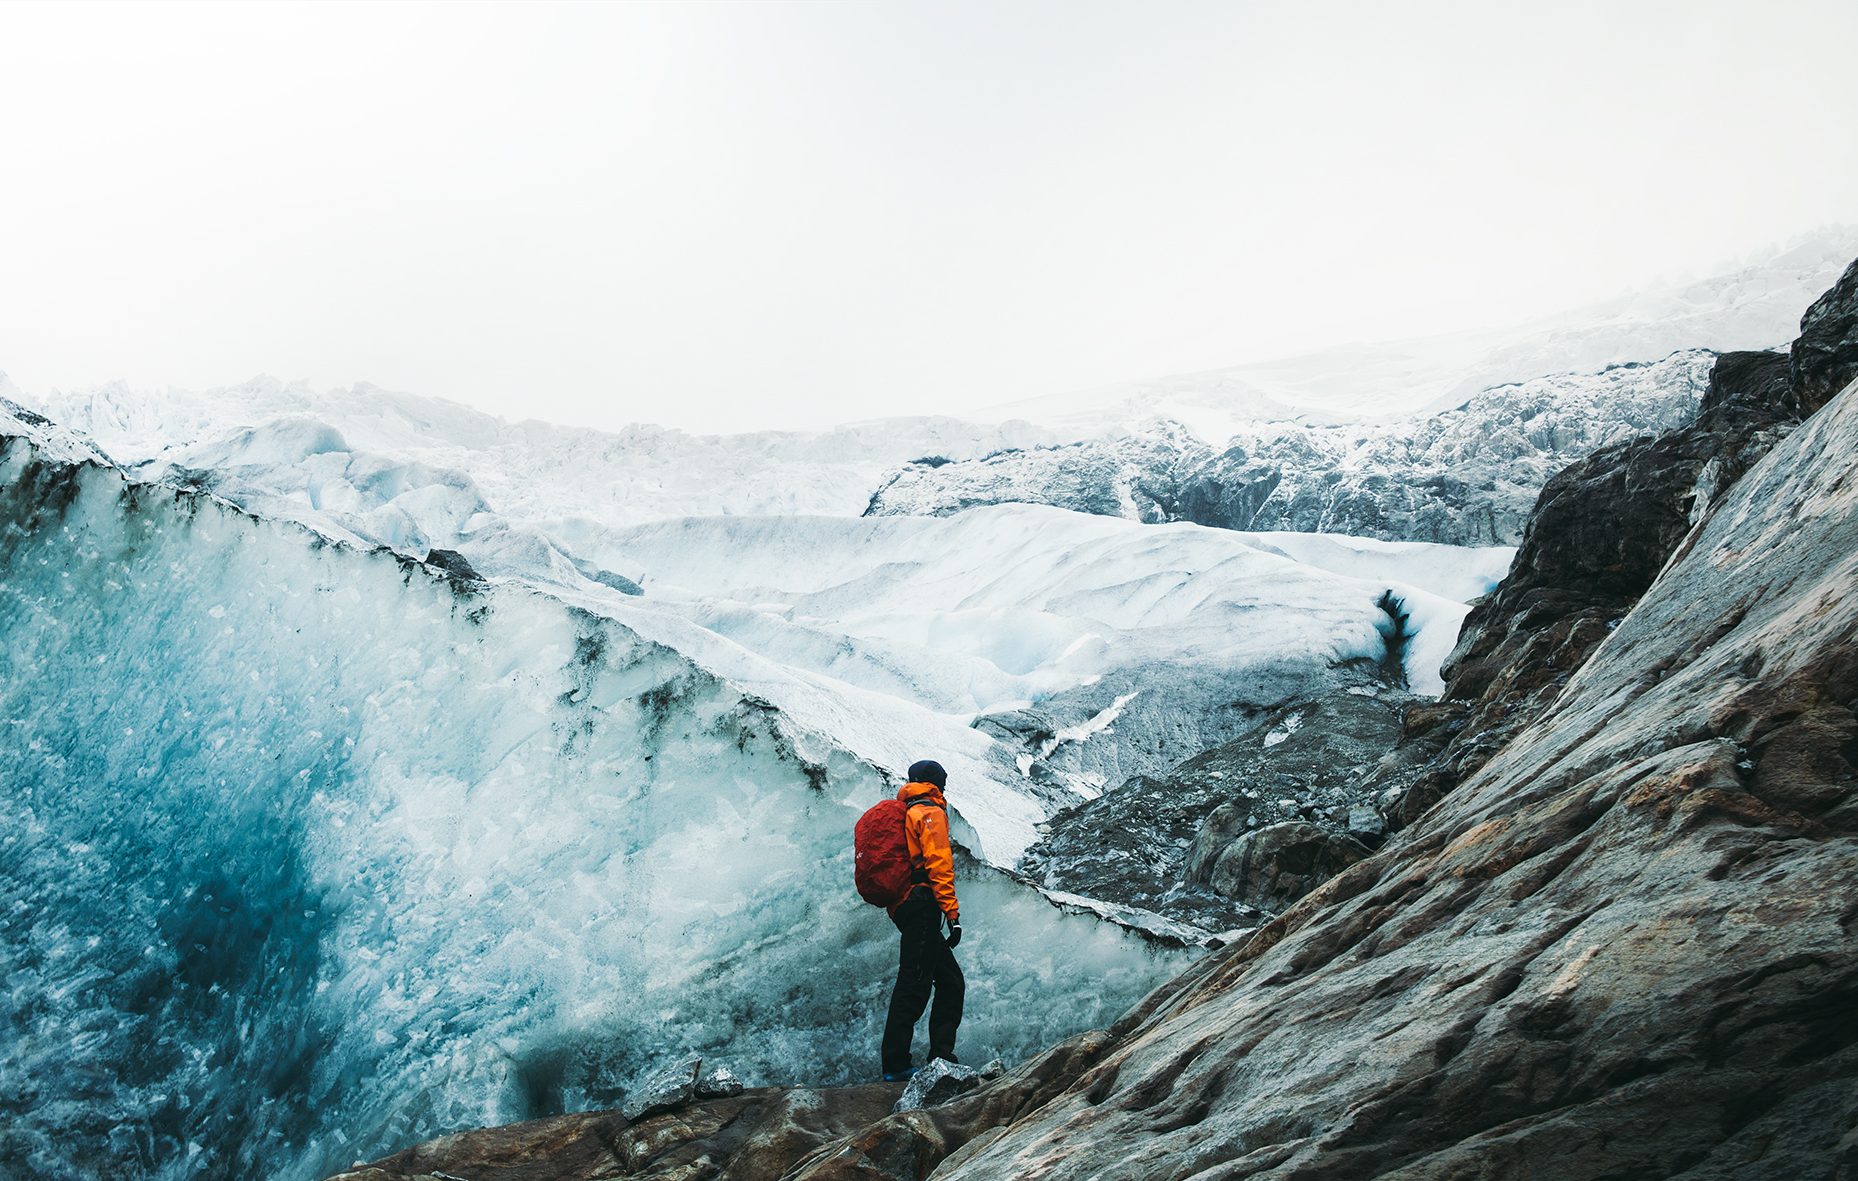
(318, 850)
(312, 852)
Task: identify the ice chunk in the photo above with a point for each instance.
(938, 1082)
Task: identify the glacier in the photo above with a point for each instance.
(321, 849)
(314, 851)
(977, 636)
(378, 767)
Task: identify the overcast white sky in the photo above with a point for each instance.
(727, 216)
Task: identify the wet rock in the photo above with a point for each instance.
(669, 1087)
(757, 1135)
(937, 1083)
(1269, 868)
(720, 1083)
(993, 1070)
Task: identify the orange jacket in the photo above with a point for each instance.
(927, 830)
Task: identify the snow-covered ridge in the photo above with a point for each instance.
(1464, 475)
(529, 470)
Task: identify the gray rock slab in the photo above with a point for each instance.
(672, 1086)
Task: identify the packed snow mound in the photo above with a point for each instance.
(1756, 306)
(313, 852)
(1032, 642)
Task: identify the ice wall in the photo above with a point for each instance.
(310, 852)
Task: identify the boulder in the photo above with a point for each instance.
(1271, 867)
(669, 1087)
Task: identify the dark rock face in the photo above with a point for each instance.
(1602, 531)
(1466, 475)
(1825, 357)
(1272, 867)
(453, 565)
(1310, 763)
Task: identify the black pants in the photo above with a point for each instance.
(924, 964)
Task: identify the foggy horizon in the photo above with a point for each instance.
(734, 218)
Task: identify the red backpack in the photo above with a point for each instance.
(881, 853)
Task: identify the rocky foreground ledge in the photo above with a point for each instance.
(1623, 947)
(762, 1132)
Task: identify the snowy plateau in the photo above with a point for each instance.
(378, 768)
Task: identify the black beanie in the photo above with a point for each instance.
(928, 771)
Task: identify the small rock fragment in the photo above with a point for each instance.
(720, 1083)
(668, 1088)
(936, 1083)
(994, 1069)
(1365, 822)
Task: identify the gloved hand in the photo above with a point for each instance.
(954, 930)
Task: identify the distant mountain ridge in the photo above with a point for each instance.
(1462, 476)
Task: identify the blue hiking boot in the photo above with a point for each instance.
(897, 1076)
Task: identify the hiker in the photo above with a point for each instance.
(925, 960)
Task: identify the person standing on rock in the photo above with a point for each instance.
(925, 960)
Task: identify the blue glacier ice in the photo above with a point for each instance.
(311, 851)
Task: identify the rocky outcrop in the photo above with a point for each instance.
(1601, 532)
(759, 1133)
(1465, 475)
(1825, 357)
